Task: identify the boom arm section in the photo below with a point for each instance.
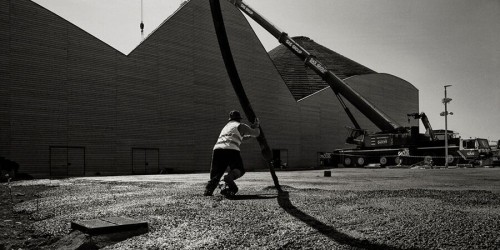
(379, 118)
(422, 116)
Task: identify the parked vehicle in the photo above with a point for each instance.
(495, 150)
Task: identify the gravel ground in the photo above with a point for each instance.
(353, 209)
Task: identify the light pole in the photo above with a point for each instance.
(446, 100)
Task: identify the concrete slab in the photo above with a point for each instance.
(110, 225)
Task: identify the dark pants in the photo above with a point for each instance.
(221, 159)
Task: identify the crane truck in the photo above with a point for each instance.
(394, 144)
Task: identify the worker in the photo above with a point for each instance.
(226, 152)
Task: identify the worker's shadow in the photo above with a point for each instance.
(328, 231)
(252, 197)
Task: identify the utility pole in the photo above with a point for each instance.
(446, 100)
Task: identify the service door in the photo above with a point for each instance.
(152, 161)
(76, 161)
(67, 161)
(145, 161)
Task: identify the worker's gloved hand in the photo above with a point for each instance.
(256, 123)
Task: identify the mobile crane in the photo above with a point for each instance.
(394, 143)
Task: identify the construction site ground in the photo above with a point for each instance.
(353, 209)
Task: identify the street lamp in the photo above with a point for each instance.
(446, 100)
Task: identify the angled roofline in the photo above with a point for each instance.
(109, 45)
(409, 83)
(159, 26)
(328, 87)
(76, 26)
(308, 96)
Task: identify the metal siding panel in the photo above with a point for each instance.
(5, 80)
(4, 7)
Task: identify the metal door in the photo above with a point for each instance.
(76, 161)
(138, 161)
(145, 161)
(67, 161)
(58, 162)
(152, 161)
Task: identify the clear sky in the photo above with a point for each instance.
(429, 43)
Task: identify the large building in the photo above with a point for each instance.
(71, 105)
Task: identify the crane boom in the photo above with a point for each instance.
(395, 144)
(379, 118)
(422, 116)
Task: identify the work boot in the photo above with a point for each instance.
(230, 189)
(228, 192)
(209, 189)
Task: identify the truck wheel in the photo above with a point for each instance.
(383, 161)
(347, 162)
(360, 161)
(451, 159)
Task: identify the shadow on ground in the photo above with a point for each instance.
(328, 231)
(252, 197)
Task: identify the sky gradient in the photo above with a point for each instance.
(429, 43)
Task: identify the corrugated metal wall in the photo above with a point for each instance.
(4, 78)
(68, 99)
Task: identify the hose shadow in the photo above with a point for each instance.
(328, 231)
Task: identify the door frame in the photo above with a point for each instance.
(67, 156)
(145, 153)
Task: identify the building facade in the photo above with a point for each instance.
(71, 105)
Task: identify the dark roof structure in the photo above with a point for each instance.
(301, 80)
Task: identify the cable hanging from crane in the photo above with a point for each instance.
(142, 23)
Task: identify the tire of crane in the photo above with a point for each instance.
(383, 161)
(360, 162)
(347, 161)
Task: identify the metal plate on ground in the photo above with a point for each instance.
(109, 225)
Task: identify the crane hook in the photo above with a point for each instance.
(142, 23)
